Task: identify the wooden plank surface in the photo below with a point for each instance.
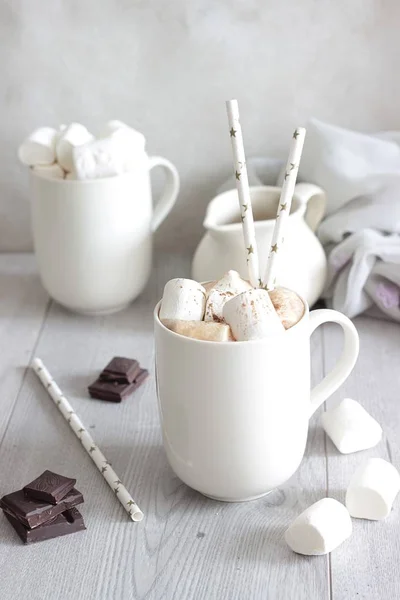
(188, 547)
(367, 565)
(23, 305)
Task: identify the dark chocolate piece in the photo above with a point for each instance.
(49, 487)
(123, 370)
(67, 522)
(114, 391)
(33, 513)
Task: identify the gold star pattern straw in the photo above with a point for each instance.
(250, 250)
(87, 442)
(242, 186)
(285, 202)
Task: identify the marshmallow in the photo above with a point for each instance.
(251, 315)
(49, 171)
(350, 427)
(320, 529)
(183, 299)
(201, 330)
(288, 305)
(372, 490)
(210, 284)
(69, 138)
(39, 148)
(97, 159)
(226, 288)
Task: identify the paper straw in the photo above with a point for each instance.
(285, 203)
(242, 184)
(103, 465)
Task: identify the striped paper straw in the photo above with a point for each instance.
(103, 465)
(242, 184)
(285, 203)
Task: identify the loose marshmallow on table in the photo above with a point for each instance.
(39, 148)
(226, 288)
(372, 490)
(251, 315)
(69, 138)
(321, 528)
(288, 305)
(183, 299)
(200, 330)
(350, 427)
(49, 171)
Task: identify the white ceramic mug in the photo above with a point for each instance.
(235, 415)
(93, 239)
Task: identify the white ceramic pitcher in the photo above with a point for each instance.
(93, 238)
(302, 264)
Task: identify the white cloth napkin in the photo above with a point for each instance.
(361, 232)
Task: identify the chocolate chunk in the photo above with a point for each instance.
(49, 487)
(123, 370)
(113, 391)
(67, 522)
(33, 513)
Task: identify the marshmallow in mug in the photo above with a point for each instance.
(372, 490)
(69, 138)
(200, 330)
(350, 427)
(321, 528)
(251, 315)
(53, 171)
(223, 290)
(39, 148)
(183, 299)
(288, 305)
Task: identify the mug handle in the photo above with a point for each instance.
(170, 193)
(314, 198)
(346, 362)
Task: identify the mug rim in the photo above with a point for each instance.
(55, 181)
(186, 339)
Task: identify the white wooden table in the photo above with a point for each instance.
(188, 547)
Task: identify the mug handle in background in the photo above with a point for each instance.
(314, 198)
(170, 193)
(346, 362)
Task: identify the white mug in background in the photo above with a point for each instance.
(235, 415)
(93, 239)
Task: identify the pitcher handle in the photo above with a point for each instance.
(314, 198)
(170, 192)
(346, 362)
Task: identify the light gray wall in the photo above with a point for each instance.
(166, 67)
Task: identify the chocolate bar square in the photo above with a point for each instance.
(65, 523)
(120, 369)
(49, 487)
(33, 513)
(113, 391)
